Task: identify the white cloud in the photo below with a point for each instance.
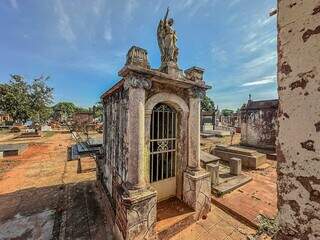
(263, 81)
(97, 6)
(107, 33)
(233, 2)
(219, 54)
(267, 59)
(64, 25)
(257, 43)
(131, 5)
(14, 4)
(191, 7)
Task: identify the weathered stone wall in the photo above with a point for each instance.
(197, 192)
(299, 119)
(115, 166)
(258, 128)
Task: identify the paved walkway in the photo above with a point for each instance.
(218, 226)
(256, 197)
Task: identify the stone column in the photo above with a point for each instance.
(196, 181)
(136, 131)
(298, 150)
(194, 130)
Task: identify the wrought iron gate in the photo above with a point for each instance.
(163, 143)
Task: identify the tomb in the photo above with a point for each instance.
(249, 158)
(258, 123)
(12, 149)
(152, 141)
(207, 121)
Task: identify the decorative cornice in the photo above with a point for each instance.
(137, 81)
(197, 92)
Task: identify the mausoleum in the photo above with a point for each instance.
(152, 139)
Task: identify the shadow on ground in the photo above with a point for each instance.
(71, 211)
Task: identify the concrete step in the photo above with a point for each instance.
(173, 216)
(230, 185)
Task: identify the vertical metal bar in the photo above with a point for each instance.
(158, 126)
(175, 135)
(161, 166)
(157, 175)
(162, 124)
(151, 167)
(157, 170)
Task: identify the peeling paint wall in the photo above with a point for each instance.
(115, 166)
(299, 119)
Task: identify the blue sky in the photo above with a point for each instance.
(82, 44)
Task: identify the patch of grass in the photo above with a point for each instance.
(4, 131)
(268, 226)
(48, 134)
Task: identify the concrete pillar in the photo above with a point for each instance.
(235, 166)
(136, 129)
(213, 169)
(298, 150)
(194, 134)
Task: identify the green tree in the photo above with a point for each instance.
(97, 110)
(67, 108)
(226, 112)
(207, 104)
(15, 99)
(41, 96)
(23, 101)
(82, 109)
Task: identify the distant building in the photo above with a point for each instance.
(258, 123)
(207, 121)
(82, 118)
(60, 116)
(4, 117)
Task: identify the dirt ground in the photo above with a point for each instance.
(43, 197)
(207, 144)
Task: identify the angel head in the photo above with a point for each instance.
(170, 21)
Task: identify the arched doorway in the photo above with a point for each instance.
(163, 146)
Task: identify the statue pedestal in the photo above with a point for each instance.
(171, 68)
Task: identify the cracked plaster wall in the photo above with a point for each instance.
(299, 119)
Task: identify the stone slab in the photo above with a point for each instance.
(207, 134)
(221, 133)
(12, 149)
(231, 185)
(207, 158)
(95, 142)
(249, 158)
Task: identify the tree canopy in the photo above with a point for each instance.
(23, 101)
(226, 112)
(67, 108)
(207, 104)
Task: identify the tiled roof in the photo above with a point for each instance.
(262, 104)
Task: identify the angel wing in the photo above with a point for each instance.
(160, 36)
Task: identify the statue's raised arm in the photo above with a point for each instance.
(166, 16)
(160, 37)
